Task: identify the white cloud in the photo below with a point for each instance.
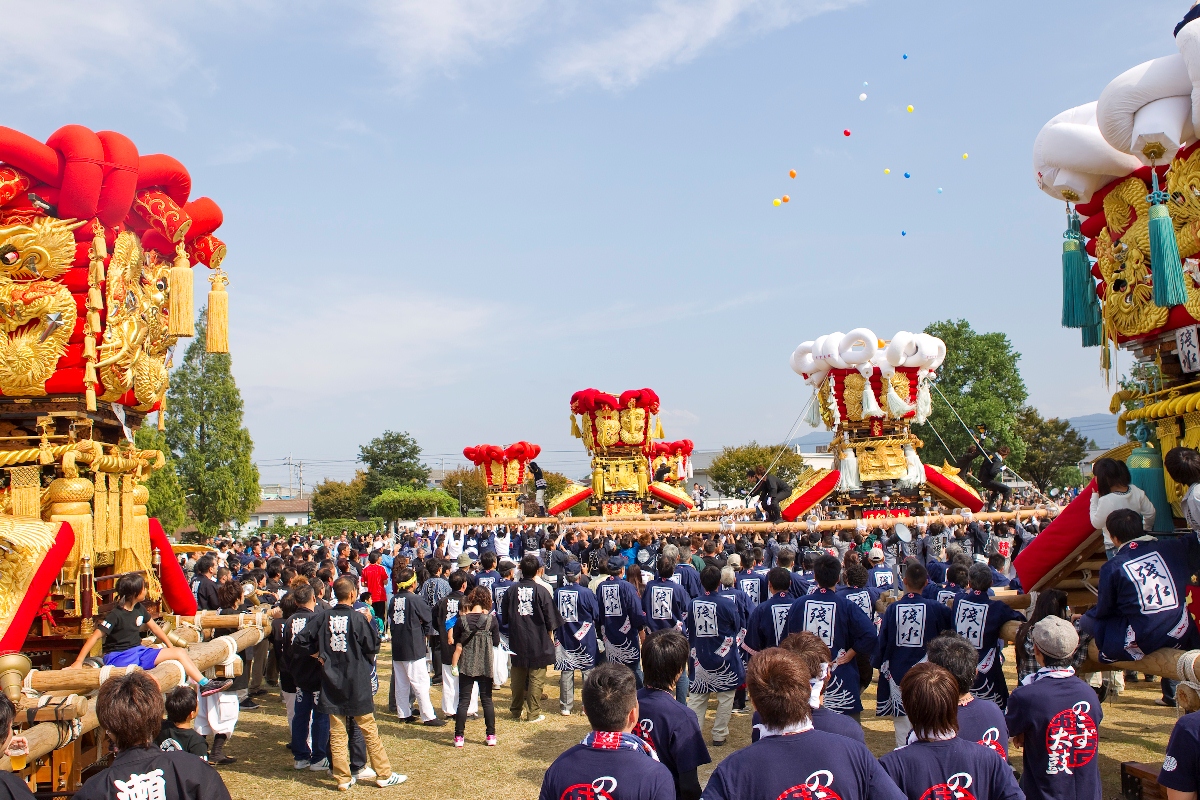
(414, 37)
(674, 32)
(53, 47)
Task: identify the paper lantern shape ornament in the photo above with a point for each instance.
(503, 471)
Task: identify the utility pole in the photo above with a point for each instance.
(301, 480)
(288, 461)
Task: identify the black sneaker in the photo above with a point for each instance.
(411, 719)
(215, 686)
(249, 705)
(436, 722)
(1102, 692)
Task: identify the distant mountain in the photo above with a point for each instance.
(1100, 428)
(810, 440)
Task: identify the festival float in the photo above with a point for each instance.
(870, 392)
(97, 245)
(1126, 168)
(619, 433)
(503, 471)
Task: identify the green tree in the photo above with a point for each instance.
(205, 434)
(166, 498)
(406, 502)
(474, 488)
(340, 499)
(980, 377)
(728, 470)
(392, 459)
(1051, 446)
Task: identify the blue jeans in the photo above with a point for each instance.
(306, 713)
(681, 688)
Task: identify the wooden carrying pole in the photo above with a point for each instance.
(47, 736)
(800, 527)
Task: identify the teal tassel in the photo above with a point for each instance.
(1077, 279)
(1093, 332)
(1166, 272)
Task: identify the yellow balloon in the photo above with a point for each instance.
(964, 156)
(776, 201)
(910, 109)
(887, 172)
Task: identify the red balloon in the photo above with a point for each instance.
(846, 132)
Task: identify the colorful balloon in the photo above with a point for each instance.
(864, 83)
(887, 171)
(908, 174)
(846, 132)
(776, 201)
(910, 109)
(964, 156)
(785, 198)
(939, 190)
(905, 56)
(904, 233)
(862, 96)
(791, 173)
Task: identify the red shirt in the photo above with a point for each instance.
(376, 578)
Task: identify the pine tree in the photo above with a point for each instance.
(166, 497)
(205, 434)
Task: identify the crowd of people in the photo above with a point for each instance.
(783, 631)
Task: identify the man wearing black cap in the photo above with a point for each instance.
(624, 618)
(532, 619)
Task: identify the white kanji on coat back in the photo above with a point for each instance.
(337, 633)
(147, 786)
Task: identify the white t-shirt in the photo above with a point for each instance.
(454, 546)
(1133, 498)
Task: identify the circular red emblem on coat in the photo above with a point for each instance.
(817, 787)
(955, 788)
(1070, 739)
(585, 791)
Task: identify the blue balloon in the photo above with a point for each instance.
(905, 56)
(908, 175)
(904, 233)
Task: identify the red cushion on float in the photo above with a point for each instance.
(1092, 226)
(29, 155)
(206, 217)
(819, 491)
(1068, 530)
(82, 175)
(175, 587)
(670, 495)
(165, 173)
(569, 499)
(949, 490)
(13, 638)
(120, 177)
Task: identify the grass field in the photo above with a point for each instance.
(1134, 729)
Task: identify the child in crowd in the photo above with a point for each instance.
(1055, 717)
(177, 733)
(346, 641)
(792, 759)
(476, 633)
(611, 761)
(130, 710)
(939, 763)
(11, 786)
(1183, 465)
(122, 633)
(668, 725)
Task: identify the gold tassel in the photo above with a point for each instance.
(94, 299)
(99, 246)
(90, 395)
(89, 372)
(575, 428)
(25, 491)
(182, 311)
(217, 340)
(658, 429)
(162, 413)
(113, 514)
(89, 347)
(100, 513)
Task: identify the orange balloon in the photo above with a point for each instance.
(792, 173)
(785, 198)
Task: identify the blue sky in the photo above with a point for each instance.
(446, 216)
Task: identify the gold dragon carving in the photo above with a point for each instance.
(134, 351)
(37, 315)
(1125, 261)
(1183, 184)
(608, 427)
(633, 424)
